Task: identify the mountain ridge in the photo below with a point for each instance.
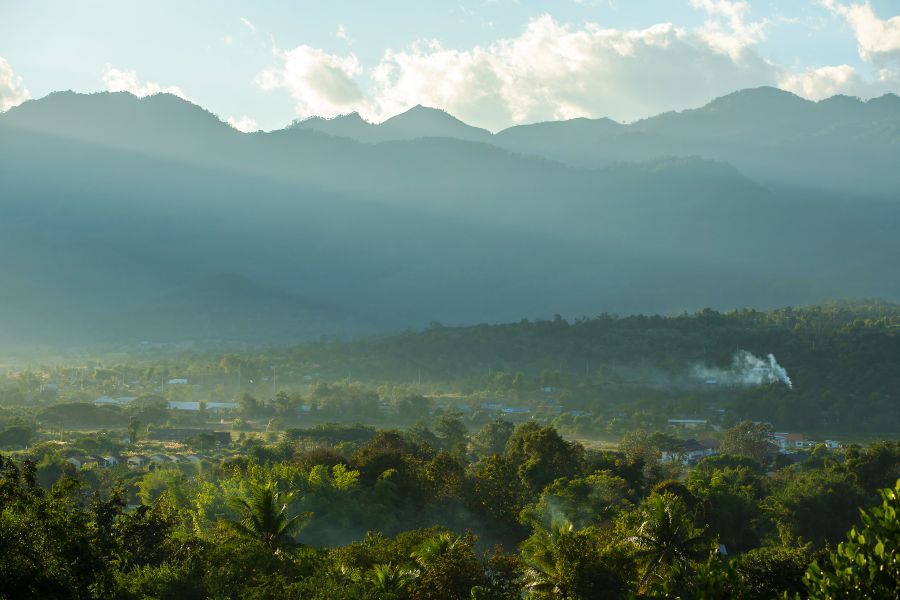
(118, 209)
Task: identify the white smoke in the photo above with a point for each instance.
(746, 369)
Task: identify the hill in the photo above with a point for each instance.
(119, 211)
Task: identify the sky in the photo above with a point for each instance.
(492, 63)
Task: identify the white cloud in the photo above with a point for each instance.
(878, 39)
(557, 71)
(319, 83)
(12, 91)
(248, 24)
(553, 71)
(342, 33)
(243, 123)
(120, 80)
(727, 28)
(823, 82)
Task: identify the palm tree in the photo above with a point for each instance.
(540, 553)
(433, 547)
(667, 537)
(264, 517)
(389, 580)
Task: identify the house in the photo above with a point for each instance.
(180, 434)
(688, 423)
(75, 461)
(177, 382)
(688, 452)
(136, 462)
(110, 461)
(193, 459)
(495, 406)
(121, 401)
(214, 406)
(788, 441)
(515, 412)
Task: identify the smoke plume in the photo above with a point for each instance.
(746, 369)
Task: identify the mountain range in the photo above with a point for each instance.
(129, 219)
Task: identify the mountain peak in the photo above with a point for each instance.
(420, 111)
(767, 95)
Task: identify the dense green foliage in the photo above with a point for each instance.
(388, 515)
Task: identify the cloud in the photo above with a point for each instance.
(878, 39)
(319, 83)
(119, 80)
(727, 29)
(249, 25)
(12, 91)
(243, 123)
(823, 82)
(341, 33)
(554, 71)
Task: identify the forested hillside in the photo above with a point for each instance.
(151, 220)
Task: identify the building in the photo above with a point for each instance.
(195, 406)
(121, 401)
(788, 441)
(689, 423)
(137, 461)
(180, 434)
(689, 452)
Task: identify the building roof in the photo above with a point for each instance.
(693, 445)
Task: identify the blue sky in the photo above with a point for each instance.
(493, 63)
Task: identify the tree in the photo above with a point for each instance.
(584, 501)
(816, 506)
(565, 563)
(492, 438)
(875, 467)
(390, 581)
(666, 537)
(433, 547)
(497, 493)
(543, 456)
(450, 431)
(446, 566)
(750, 439)
(249, 405)
(16, 436)
(867, 565)
(265, 517)
(769, 571)
(730, 505)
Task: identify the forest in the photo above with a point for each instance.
(606, 457)
(507, 512)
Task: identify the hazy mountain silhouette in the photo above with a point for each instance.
(771, 135)
(417, 122)
(132, 219)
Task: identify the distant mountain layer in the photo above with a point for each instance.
(769, 134)
(129, 219)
